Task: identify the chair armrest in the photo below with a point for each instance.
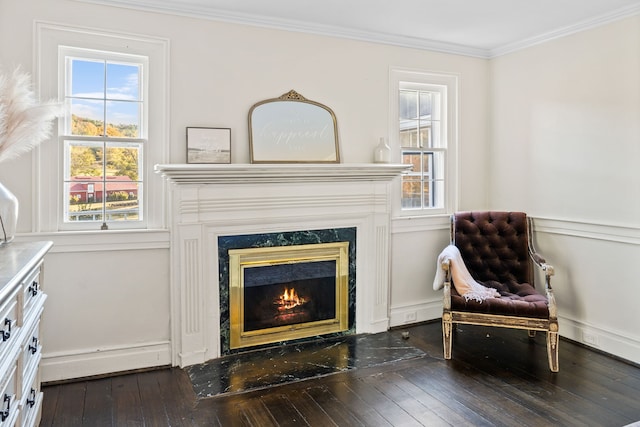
(548, 272)
(541, 262)
(538, 259)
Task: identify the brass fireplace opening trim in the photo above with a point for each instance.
(242, 259)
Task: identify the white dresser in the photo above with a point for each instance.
(21, 305)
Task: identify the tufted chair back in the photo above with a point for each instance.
(494, 245)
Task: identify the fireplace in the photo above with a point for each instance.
(318, 266)
(287, 292)
(215, 208)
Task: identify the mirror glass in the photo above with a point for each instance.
(292, 129)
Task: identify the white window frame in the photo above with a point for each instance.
(446, 83)
(65, 53)
(49, 203)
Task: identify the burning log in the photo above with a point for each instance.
(289, 300)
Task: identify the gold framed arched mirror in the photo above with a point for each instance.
(292, 129)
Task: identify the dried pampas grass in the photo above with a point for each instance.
(24, 122)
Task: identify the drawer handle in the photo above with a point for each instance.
(33, 348)
(32, 401)
(7, 402)
(6, 334)
(33, 289)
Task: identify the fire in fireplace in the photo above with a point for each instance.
(287, 292)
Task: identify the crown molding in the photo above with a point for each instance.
(176, 8)
(588, 24)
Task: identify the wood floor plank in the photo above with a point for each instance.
(98, 403)
(535, 395)
(386, 385)
(338, 412)
(152, 405)
(449, 411)
(127, 408)
(364, 412)
(391, 412)
(589, 388)
(70, 408)
(312, 413)
(219, 412)
(440, 388)
(177, 396)
(49, 402)
(486, 403)
(256, 413)
(282, 410)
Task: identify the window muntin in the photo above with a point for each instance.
(103, 164)
(423, 143)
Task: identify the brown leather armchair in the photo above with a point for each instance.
(497, 250)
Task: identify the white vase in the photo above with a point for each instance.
(8, 215)
(382, 152)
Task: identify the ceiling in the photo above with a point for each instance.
(483, 28)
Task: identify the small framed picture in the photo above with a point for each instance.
(208, 145)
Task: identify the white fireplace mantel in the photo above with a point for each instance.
(269, 173)
(209, 201)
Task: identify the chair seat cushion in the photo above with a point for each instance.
(516, 299)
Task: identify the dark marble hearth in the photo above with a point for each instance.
(296, 362)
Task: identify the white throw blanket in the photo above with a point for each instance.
(462, 280)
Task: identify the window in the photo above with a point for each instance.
(423, 145)
(425, 131)
(104, 136)
(97, 172)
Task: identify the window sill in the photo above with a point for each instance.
(412, 224)
(107, 240)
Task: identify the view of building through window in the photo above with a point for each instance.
(423, 145)
(103, 139)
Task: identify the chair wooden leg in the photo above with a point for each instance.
(552, 349)
(447, 333)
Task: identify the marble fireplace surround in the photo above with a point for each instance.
(210, 201)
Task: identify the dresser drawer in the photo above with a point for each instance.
(31, 404)
(31, 291)
(9, 329)
(9, 408)
(30, 357)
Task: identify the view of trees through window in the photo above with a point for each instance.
(103, 164)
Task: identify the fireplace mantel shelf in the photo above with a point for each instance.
(271, 173)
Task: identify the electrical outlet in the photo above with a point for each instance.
(410, 317)
(590, 339)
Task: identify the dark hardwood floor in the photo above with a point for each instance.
(498, 377)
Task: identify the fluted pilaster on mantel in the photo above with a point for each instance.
(271, 173)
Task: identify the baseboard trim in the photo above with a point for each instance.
(610, 342)
(89, 363)
(422, 311)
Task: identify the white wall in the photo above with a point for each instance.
(109, 292)
(565, 147)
